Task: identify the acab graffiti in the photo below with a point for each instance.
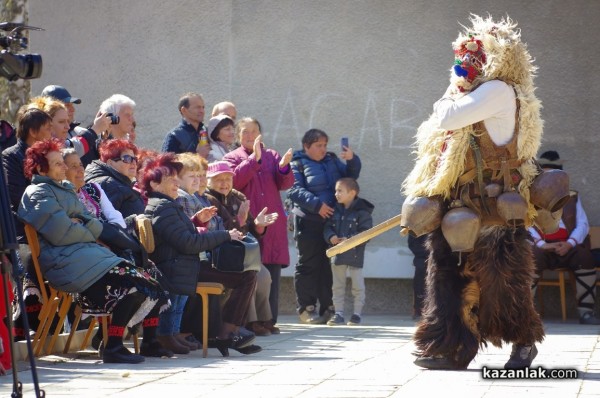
(389, 122)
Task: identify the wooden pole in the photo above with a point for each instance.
(364, 236)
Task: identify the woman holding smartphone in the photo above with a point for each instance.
(313, 196)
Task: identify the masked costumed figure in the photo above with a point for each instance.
(471, 190)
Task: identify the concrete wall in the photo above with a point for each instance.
(369, 70)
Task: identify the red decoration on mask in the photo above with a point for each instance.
(470, 57)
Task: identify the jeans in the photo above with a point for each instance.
(169, 321)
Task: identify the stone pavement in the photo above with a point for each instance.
(372, 360)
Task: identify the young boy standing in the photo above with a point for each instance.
(351, 216)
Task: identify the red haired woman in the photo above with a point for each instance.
(73, 262)
(115, 172)
(178, 245)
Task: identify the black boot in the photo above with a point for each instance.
(521, 356)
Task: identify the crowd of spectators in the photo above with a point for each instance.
(83, 189)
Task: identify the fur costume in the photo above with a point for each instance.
(485, 295)
(437, 171)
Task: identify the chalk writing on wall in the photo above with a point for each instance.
(392, 126)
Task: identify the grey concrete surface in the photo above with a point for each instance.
(371, 360)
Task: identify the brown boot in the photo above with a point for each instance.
(181, 340)
(170, 343)
(258, 329)
(270, 326)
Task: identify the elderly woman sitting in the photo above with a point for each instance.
(178, 246)
(115, 173)
(73, 262)
(233, 207)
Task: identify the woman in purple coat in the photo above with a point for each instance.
(260, 173)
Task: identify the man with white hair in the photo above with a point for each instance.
(123, 107)
(120, 108)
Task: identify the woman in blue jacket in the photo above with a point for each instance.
(73, 262)
(313, 196)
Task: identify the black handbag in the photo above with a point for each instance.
(237, 255)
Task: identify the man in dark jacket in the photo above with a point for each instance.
(187, 136)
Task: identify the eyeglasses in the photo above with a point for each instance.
(126, 159)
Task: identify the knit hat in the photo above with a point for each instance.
(216, 123)
(550, 160)
(216, 168)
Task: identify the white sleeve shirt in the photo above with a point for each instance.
(112, 215)
(493, 102)
(579, 233)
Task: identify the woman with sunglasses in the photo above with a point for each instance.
(72, 260)
(115, 172)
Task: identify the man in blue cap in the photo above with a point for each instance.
(60, 93)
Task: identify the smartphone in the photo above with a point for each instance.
(344, 143)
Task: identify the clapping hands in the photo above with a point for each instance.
(286, 158)
(234, 234)
(206, 214)
(263, 219)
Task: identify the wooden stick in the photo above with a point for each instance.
(364, 236)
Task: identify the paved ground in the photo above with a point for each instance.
(373, 360)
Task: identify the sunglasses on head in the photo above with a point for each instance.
(126, 159)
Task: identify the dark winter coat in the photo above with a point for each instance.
(314, 182)
(16, 182)
(346, 223)
(228, 207)
(118, 188)
(261, 183)
(70, 258)
(178, 244)
(183, 138)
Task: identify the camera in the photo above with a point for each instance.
(15, 66)
(114, 119)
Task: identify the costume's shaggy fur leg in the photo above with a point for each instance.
(503, 263)
(443, 329)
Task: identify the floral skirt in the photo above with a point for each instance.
(121, 280)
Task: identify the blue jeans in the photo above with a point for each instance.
(169, 321)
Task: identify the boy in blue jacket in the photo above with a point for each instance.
(351, 216)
